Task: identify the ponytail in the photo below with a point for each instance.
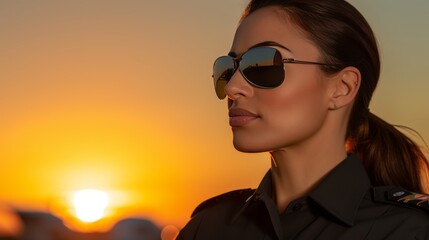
(388, 155)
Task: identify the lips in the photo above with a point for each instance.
(239, 117)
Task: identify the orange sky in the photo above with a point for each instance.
(117, 95)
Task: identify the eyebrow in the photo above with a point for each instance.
(261, 44)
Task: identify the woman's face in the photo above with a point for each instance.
(285, 116)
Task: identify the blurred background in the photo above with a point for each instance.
(109, 124)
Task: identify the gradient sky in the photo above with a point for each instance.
(117, 95)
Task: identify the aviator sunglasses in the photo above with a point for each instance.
(262, 67)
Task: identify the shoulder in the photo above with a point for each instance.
(401, 197)
(211, 215)
(395, 211)
(236, 196)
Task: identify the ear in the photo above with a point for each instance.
(344, 87)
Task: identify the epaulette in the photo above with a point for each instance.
(401, 196)
(236, 194)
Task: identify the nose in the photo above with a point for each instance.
(238, 87)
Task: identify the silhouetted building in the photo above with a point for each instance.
(135, 229)
(45, 226)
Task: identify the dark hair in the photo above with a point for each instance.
(345, 37)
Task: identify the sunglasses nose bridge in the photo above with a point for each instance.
(236, 62)
(235, 67)
(238, 86)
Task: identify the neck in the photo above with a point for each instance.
(297, 170)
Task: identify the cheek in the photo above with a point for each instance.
(290, 114)
(295, 111)
(296, 101)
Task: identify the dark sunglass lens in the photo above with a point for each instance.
(223, 69)
(263, 67)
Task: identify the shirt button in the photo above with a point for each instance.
(297, 207)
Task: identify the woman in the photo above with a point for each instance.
(299, 79)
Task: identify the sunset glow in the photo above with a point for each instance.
(90, 204)
(118, 96)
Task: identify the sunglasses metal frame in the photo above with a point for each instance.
(238, 59)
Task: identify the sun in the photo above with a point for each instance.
(90, 204)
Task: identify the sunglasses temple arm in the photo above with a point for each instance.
(292, 60)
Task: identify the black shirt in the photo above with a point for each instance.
(343, 206)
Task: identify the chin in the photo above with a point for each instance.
(248, 147)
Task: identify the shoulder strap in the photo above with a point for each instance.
(232, 195)
(401, 196)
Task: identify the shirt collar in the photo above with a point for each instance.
(340, 192)
(343, 189)
(263, 191)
